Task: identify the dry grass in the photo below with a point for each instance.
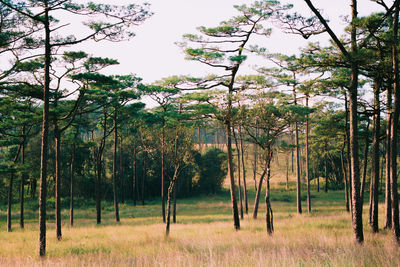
(323, 238)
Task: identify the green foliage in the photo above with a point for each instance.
(212, 171)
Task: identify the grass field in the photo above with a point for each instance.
(203, 236)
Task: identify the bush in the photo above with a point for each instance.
(212, 170)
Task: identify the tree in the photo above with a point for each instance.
(224, 48)
(115, 29)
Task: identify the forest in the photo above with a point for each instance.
(288, 161)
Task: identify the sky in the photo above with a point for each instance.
(152, 54)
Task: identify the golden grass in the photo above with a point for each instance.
(319, 239)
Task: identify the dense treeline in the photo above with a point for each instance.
(68, 130)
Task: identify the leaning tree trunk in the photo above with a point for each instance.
(258, 193)
(174, 208)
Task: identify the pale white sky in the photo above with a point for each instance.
(152, 54)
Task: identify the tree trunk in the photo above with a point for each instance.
(258, 193)
(296, 132)
(174, 208)
(287, 172)
(374, 194)
(231, 174)
(347, 135)
(239, 171)
(45, 131)
(269, 215)
(23, 179)
(365, 160)
(134, 189)
(57, 136)
(121, 173)
(346, 186)
(144, 176)
(326, 169)
(162, 172)
(394, 130)
(307, 163)
(255, 148)
(244, 171)
(115, 168)
(10, 185)
(72, 173)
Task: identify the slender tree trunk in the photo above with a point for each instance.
(296, 132)
(269, 215)
(394, 130)
(258, 194)
(45, 131)
(134, 189)
(98, 188)
(374, 194)
(144, 176)
(388, 202)
(307, 163)
(239, 171)
(162, 172)
(72, 193)
(57, 136)
(116, 209)
(174, 208)
(121, 172)
(10, 188)
(291, 138)
(287, 172)
(255, 148)
(326, 168)
(365, 160)
(346, 186)
(347, 135)
(244, 171)
(23, 179)
(231, 175)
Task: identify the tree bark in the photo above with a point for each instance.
(134, 186)
(365, 160)
(23, 179)
(235, 212)
(9, 206)
(72, 173)
(239, 171)
(298, 183)
(116, 209)
(244, 171)
(258, 193)
(45, 130)
(374, 193)
(307, 163)
(394, 130)
(57, 136)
